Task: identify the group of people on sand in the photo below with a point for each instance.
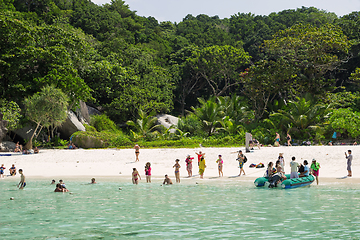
(12, 170)
(189, 167)
(19, 148)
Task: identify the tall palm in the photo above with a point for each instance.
(145, 124)
(209, 113)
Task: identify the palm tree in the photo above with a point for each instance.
(209, 113)
(302, 115)
(144, 125)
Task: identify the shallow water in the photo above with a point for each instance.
(182, 211)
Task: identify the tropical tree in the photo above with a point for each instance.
(11, 112)
(46, 108)
(302, 115)
(345, 121)
(144, 125)
(220, 66)
(209, 113)
(313, 51)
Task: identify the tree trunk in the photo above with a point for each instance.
(28, 145)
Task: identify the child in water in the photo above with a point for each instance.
(220, 165)
(2, 168)
(148, 172)
(177, 170)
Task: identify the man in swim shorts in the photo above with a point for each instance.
(241, 158)
(22, 182)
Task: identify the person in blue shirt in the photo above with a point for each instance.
(306, 171)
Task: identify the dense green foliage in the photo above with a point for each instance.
(130, 66)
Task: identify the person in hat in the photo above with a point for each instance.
(315, 166)
(282, 162)
(220, 166)
(177, 170)
(189, 161)
(349, 160)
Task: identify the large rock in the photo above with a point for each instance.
(7, 146)
(167, 121)
(84, 141)
(71, 125)
(3, 129)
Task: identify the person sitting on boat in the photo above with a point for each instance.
(304, 170)
(279, 170)
(270, 170)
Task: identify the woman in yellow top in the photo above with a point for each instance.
(202, 167)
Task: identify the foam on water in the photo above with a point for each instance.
(185, 210)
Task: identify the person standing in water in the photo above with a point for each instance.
(135, 176)
(177, 170)
(22, 182)
(349, 161)
(148, 172)
(220, 165)
(315, 166)
(202, 167)
(189, 167)
(137, 152)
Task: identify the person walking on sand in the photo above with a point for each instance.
(294, 168)
(314, 168)
(137, 152)
(177, 170)
(148, 172)
(135, 176)
(349, 161)
(189, 167)
(241, 159)
(199, 155)
(22, 182)
(288, 138)
(220, 165)
(277, 139)
(202, 167)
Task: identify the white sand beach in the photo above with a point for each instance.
(119, 162)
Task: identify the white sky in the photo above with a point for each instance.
(176, 10)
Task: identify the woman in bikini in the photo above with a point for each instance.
(177, 170)
(135, 176)
(137, 152)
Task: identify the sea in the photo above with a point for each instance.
(194, 209)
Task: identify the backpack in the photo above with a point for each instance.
(245, 159)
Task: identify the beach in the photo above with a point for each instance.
(118, 163)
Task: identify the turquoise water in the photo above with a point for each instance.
(183, 211)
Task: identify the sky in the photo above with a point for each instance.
(176, 10)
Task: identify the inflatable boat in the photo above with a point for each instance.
(288, 183)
